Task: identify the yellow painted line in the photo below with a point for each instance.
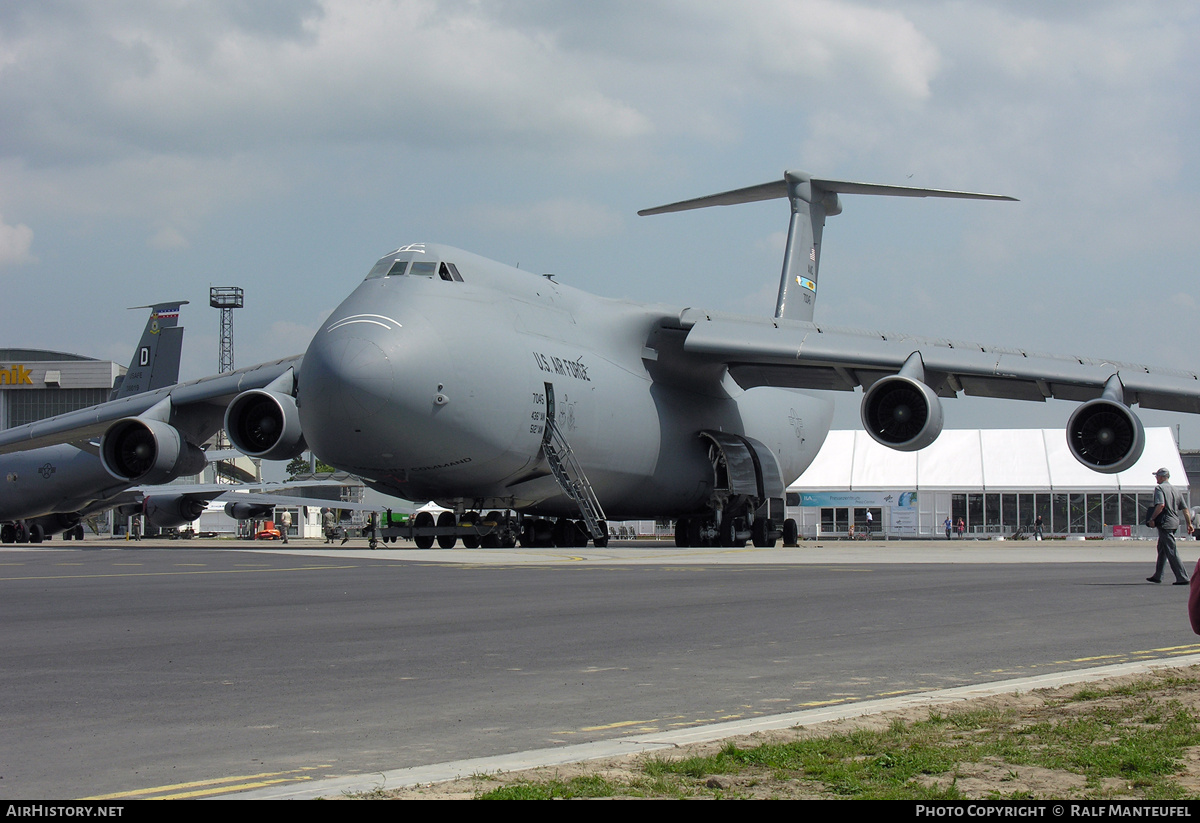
(812, 704)
(619, 725)
(173, 574)
(218, 781)
(239, 787)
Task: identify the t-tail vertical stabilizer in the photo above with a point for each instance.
(155, 362)
(813, 199)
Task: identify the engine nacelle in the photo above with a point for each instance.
(265, 424)
(249, 511)
(1106, 436)
(902, 413)
(139, 450)
(167, 511)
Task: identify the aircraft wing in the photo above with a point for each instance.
(297, 500)
(193, 407)
(798, 354)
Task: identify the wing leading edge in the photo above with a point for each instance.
(797, 354)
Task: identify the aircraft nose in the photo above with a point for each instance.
(346, 377)
(346, 381)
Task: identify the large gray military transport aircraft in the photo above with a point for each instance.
(449, 377)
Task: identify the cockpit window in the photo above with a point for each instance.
(387, 267)
(391, 267)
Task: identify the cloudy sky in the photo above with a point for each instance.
(152, 148)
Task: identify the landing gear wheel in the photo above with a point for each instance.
(508, 538)
(422, 521)
(764, 537)
(791, 532)
(471, 541)
(564, 536)
(446, 520)
(494, 522)
(36, 533)
(681, 538)
(728, 534)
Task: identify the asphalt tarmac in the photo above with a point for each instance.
(180, 669)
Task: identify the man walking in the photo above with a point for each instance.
(1168, 503)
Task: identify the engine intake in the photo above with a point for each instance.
(902, 413)
(249, 511)
(139, 450)
(172, 510)
(1106, 436)
(265, 424)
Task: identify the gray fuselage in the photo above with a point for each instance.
(436, 385)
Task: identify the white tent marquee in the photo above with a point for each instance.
(995, 479)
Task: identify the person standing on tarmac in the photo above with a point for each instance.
(1168, 503)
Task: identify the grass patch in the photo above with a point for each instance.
(1127, 740)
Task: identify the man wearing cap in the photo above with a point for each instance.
(1168, 503)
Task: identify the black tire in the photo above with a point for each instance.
(471, 541)
(728, 534)
(791, 532)
(423, 520)
(764, 536)
(445, 520)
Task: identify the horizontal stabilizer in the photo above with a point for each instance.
(779, 189)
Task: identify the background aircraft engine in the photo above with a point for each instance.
(249, 511)
(139, 450)
(902, 413)
(172, 510)
(1105, 436)
(265, 424)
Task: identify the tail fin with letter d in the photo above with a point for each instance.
(155, 361)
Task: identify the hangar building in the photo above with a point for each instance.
(996, 480)
(36, 384)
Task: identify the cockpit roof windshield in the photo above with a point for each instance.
(392, 264)
(415, 260)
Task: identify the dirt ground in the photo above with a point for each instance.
(973, 780)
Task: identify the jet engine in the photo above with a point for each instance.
(265, 424)
(902, 413)
(1105, 435)
(167, 511)
(144, 450)
(249, 511)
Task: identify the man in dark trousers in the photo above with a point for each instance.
(1168, 503)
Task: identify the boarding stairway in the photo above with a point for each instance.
(573, 481)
